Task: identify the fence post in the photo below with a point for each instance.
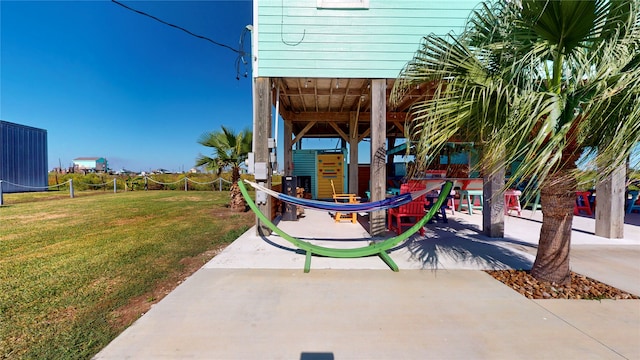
(114, 186)
(185, 183)
(1, 198)
(71, 188)
(220, 183)
(146, 183)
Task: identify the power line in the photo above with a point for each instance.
(238, 51)
(240, 60)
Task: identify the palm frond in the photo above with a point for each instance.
(533, 82)
(229, 149)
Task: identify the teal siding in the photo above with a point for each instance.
(297, 39)
(306, 165)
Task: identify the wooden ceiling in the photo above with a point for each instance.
(322, 107)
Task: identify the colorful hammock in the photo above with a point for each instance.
(379, 249)
(346, 207)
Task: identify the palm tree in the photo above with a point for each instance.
(230, 150)
(537, 82)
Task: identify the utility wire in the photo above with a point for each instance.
(238, 51)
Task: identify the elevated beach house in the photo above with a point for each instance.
(96, 164)
(327, 67)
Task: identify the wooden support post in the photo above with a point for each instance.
(610, 199)
(353, 154)
(378, 153)
(262, 132)
(391, 168)
(288, 151)
(493, 202)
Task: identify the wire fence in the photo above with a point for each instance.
(145, 183)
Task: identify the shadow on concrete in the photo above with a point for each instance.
(632, 219)
(440, 248)
(464, 244)
(629, 219)
(316, 356)
(455, 244)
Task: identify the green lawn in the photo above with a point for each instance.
(67, 265)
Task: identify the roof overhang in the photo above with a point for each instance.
(324, 107)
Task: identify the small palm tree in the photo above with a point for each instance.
(230, 150)
(538, 82)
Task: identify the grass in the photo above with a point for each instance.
(67, 265)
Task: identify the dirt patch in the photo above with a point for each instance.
(137, 306)
(581, 287)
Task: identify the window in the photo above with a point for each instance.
(343, 4)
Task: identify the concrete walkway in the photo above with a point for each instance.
(253, 301)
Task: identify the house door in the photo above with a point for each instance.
(330, 167)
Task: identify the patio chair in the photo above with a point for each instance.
(512, 201)
(582, 203)
(345, 198)
(634, 202)
(408, 214)
(471, 195)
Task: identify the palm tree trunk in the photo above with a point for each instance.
(557, 197)
(237, 204)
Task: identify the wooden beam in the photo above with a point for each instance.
(285, 101)
(378, 153)
(288, 148)
(364, 134)
(610, 205)
(339, 117)
(353, 154)
(304, 106)
(262, 132)
(332, 91)
(304, 131)
(399, 125)
(335, 127)
(315, 97)
(493, 202)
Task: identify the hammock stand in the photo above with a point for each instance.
(385, 204)
(379, 249)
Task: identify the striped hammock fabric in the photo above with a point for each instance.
(345, 207)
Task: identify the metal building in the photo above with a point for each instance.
(23, 158)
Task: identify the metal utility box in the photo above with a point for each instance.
(23, 158)
(322, 166)
(290, 211)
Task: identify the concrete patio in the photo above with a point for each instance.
(254, 301)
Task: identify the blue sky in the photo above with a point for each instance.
(105, 81)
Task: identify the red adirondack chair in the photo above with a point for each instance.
(409, 214)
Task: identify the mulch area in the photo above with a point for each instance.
(581, 287)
